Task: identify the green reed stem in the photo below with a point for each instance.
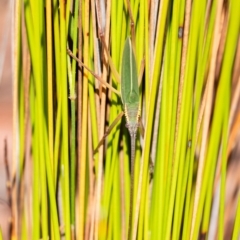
(64, 103)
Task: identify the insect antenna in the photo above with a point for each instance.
(93, 73)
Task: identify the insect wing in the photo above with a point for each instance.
(129, 78)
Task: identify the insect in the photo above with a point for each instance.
(129, 96)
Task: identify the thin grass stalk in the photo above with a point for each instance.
(143, 222)
(94, 101)
(51, 191)
(140, 36)
(26, 83)
(57, 61)
(126, 176)
(97, 64)
(153, 20)
(35, 185)
(84, 122)
(183, 191)
(49, 75)
(93, 137)
(116, 201)
(146, 226)
(208, 201)
(236, 228)
(72, 148)
(50, 88)
(64, 118)
(224, 164)
(72, 96)
(147, 51)
(22, 144)
(90, 206)
(43, 189)
(157, 205)
(93, 124)
(122, 195)
(24, 227)
(79, 118)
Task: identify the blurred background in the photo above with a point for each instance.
(5, 106)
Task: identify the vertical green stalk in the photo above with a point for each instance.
(236, 228)
(147, 60)
(64, 103)
(58, 113)
(83, 156)
(72, 86)
(49, 76)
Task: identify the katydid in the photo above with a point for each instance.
(130, 99)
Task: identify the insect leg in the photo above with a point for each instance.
(108, 131)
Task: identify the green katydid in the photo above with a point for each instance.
(130, 99)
